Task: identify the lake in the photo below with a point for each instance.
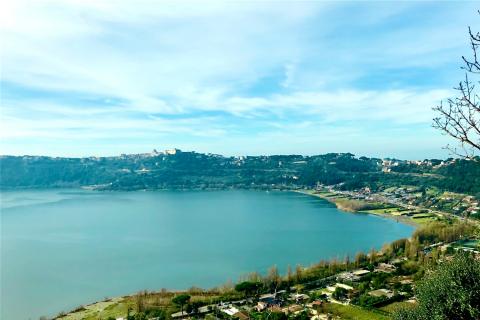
(64, 248)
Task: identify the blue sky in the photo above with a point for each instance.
(81, 78)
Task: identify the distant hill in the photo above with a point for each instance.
(174, 169)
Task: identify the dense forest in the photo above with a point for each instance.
(191, 170)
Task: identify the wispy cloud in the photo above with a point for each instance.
(116, 76)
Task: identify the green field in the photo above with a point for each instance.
(354, 312)
(425, 220)
(391, 210)
(390, 308)
(418, 218)
(114, 308)
(324, 193)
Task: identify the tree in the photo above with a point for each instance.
(372, 255)
(360, 258)
(140, 301)
(181, 300)
(301, 316)
(346, 261)
(459, 117)
(140, 316)
(298, 273)
(273, 278)
(452, 291)
(340, 293)
(248, 287)
(289, 275)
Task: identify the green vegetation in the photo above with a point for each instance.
(181, 300)
(145, 305)
(104, 309)
(354, 312)
(196, 170)
(340, 293)
(249, 288)
(395, 306)
(451, 186)
(356, 205)
(427, 193)
(400, 271)
(450, 291)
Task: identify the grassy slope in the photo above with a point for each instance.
(396, 305)
(354, 312)
(116, 307)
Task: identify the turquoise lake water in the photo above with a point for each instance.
(64, 248)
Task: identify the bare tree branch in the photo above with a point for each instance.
(459, 117)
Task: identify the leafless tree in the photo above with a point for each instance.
(459, 117)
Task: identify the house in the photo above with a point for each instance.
(268, 301)
(299, 297)
(180, 314)
(230, 310)
(315, 304)
(355, 275)
(261, 306)
(234, 312)
(343, 286)
(347, 276)
(331, 289)
(385, 267)
(275, 309)
(360, 272)
(293, 308)
(172, 151)
(344, 276)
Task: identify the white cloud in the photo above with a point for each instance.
(267, 66)
(396, 107)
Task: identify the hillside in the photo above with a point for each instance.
(190, 170)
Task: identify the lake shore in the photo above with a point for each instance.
(153, 220)
(347, 208)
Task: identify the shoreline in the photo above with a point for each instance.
(401, 219)
(94, 305)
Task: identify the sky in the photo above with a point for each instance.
(84, 78)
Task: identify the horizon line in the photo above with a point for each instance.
(165, 152)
